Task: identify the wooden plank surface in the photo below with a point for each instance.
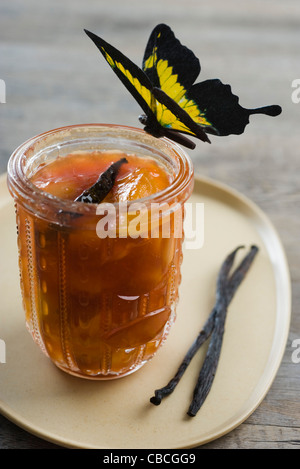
(53, 77)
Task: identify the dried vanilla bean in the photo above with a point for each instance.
(104, 184)
(214, 327)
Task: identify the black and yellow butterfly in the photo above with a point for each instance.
(165, 90)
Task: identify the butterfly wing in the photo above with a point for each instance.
(134, 79)
(221, 107)
(211, 105)
(139, 85)
(173, 118)
(174, 68)
(164, 89)
(169, 65)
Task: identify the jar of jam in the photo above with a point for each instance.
(99, 281)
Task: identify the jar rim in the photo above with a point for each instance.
(19, 183)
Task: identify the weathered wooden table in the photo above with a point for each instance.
(53, 78)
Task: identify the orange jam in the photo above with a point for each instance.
(99, 308)
(67, 177)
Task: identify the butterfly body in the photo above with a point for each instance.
(173, 105)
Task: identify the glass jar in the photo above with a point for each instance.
(99, 307)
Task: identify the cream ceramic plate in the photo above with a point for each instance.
(78, 413)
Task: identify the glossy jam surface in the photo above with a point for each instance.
(99, 308)
(67, 177)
